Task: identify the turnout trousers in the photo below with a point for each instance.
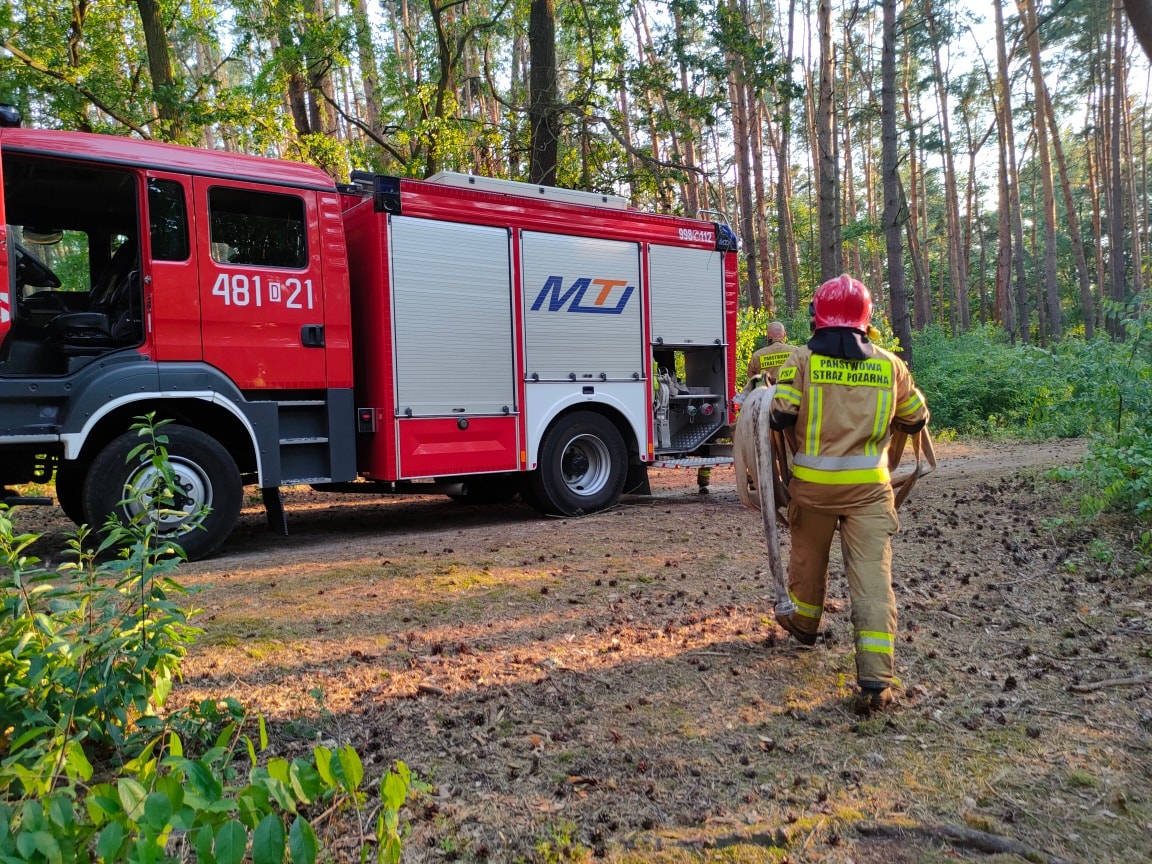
(866, 543)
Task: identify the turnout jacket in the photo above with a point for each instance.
(769, 359)
(843, 411)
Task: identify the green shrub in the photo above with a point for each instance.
(978, 384)
(89, 655)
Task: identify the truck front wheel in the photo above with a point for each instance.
(208, 489)
(582, 468)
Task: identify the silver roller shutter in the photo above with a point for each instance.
(452, 318)
(582, 308)
(687, 295)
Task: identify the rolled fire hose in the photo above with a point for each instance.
(771, 467)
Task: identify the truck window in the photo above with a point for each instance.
(257, 228)
(167, 220)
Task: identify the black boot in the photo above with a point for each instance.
(873, 698)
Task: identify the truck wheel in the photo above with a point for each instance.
(206, 477)
(583, 464)
(70, 489)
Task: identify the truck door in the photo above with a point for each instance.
(261, 288)
(172, 297)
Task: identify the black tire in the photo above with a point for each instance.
(582, 468)
(70, 489)
(484, 489)
(207, 477)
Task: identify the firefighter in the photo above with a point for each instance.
(841, 394)
(768, 360)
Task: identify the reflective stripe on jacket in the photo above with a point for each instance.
(844, 410)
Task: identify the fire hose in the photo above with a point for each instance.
(763, 471)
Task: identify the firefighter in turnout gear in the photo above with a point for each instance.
(768, 360)
(841, 394)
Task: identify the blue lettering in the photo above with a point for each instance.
(557, 297)
(555, 284)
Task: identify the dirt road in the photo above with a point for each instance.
(614, 685)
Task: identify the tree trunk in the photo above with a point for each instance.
(744, 176)
(921, 301)
(789, 264)
(544, 94)
(957, 253)
(1073, 218)
(831, 256)
(1011, 176)
(1116, 192)
(890, 167)
(1050, 286)
(369, 72)
(164, 94)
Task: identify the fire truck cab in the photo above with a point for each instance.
(472, 336)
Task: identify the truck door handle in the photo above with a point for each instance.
(312, 335)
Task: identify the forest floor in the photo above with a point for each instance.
(614, 686)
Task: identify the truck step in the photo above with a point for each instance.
(690, 461)
(15, 499)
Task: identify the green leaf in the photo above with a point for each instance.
(324, 764)
(231, 843)
(132, 796)
(263, 733)
(305, 781)
(60, 810)
(351, 768)
(109, 841)
(278, 768)
(268, 841)
(225, 736)
(76, 764)
(302, 843)
(393, 790)
(203, 842)
(47, 846)
(157, 811)
(171, 787)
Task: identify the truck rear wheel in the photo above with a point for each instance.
(582, 468)
(206, 478)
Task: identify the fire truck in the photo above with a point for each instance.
(461, 335)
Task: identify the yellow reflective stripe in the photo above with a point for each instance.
(910, 404)
(805, 609)
(880, 424)
(838, 463)
(787, 374)
(841, 478)
(875, 642)
(788, 394)
(815, 417)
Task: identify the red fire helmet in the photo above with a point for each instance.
(842, 302)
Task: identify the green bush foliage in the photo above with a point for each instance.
(90, 767)
(979, 384)
(1117, 472)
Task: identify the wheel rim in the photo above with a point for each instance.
(192, 494)
(586, 465)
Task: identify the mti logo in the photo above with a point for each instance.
(556, 295)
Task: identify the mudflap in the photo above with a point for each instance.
(636, 483)
(277, 519)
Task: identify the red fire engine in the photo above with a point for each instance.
(476, 337)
